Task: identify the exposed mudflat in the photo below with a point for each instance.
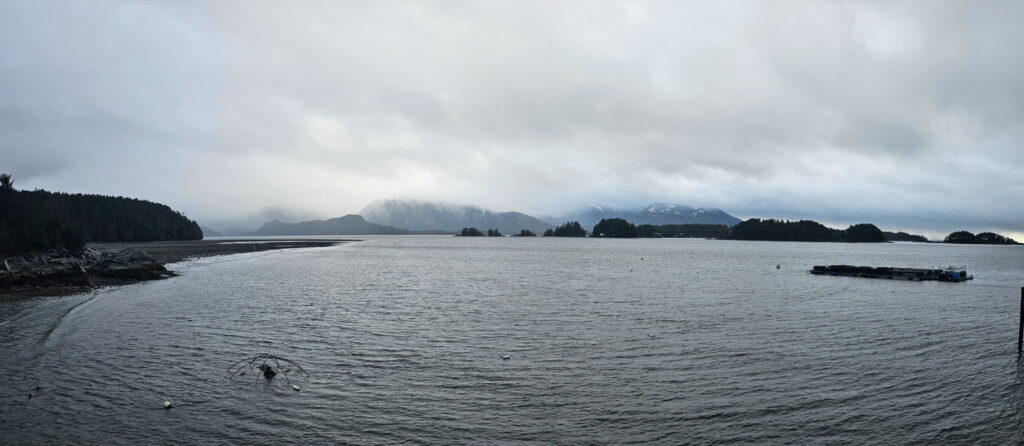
(176, 251)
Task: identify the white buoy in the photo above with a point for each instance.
(168, 405)
(295, 388)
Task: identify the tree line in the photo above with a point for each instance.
(751, 229)
(904, 237)
(474, 232)
(39, 220)
(984, 238)
(569, 229)
(692, 230)
(804, 231)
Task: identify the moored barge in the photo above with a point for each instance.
(951, 274)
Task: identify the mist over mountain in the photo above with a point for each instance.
(249, 223)
(653, 214)
(210, 232)
(348, 225)
(420, 215)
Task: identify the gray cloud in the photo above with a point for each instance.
(903, 113)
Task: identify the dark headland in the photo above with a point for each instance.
(56, 243)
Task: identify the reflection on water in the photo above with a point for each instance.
(608, 341)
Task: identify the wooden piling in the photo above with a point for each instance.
(1020, 330)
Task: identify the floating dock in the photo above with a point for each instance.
(951, 274)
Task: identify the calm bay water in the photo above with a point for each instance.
(610, 341)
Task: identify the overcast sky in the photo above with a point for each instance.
(905, 114)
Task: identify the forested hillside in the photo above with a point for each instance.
(39, 220)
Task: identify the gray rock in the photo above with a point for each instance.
(64, 268)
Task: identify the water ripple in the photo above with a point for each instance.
(645, 341)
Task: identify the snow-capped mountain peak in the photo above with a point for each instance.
(668, 209)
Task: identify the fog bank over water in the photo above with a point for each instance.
(907, 115)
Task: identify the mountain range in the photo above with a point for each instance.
(348, 225)
(396, 217)
(244, 225)
(420, 215)
(653, 214)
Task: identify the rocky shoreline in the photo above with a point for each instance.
(61, 272)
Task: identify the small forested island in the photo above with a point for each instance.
(803, 231)
(984, 238)
(569, 229)
(470, 232)
(39, 220)
(615, 228)
(525, 233)
(474, 232)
